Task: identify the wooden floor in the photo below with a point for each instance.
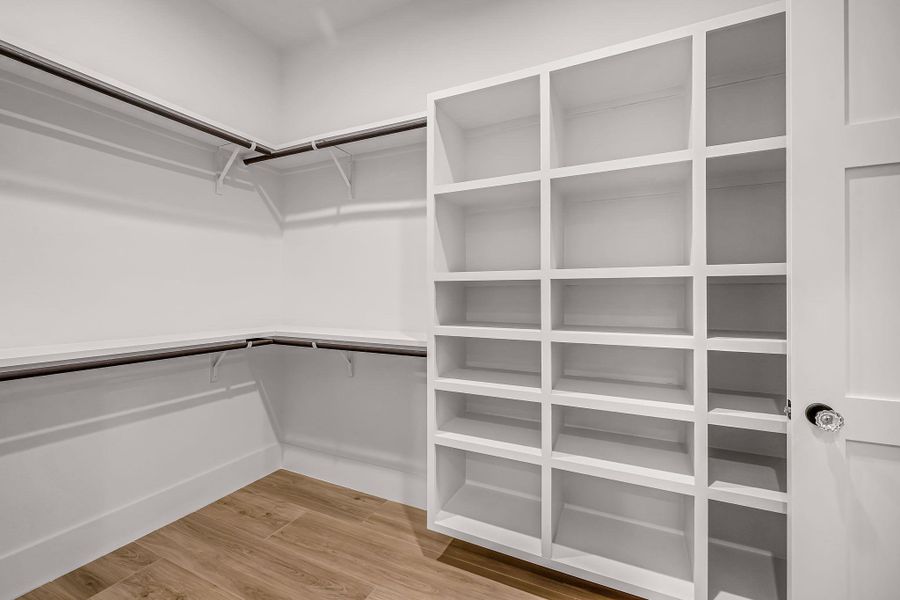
(289, 536)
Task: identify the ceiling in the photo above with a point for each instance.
(290, 22)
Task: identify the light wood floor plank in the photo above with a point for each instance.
(163, 580)
(289, 537)
(253, 512)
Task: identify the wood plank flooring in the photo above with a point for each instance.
(289, 537)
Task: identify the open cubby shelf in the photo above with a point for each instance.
(645, 305)
(629, 218)
(497, 304)
(747, 553)
(746, 208)
(609, 270)
(503, 362)
(513, 425)
(488, 132)
(629, 104)
(489, 229)
(627, 443)
(609, 527)
(745, 81)
(489, 497)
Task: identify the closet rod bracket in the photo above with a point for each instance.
(220, 180)
(348, 356)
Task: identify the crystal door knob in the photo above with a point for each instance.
(824, 417)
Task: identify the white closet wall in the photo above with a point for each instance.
(190, 54)
(394, 59)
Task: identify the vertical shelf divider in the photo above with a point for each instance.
(698, 265)
(547, 485)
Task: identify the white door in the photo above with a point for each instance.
(845, 298)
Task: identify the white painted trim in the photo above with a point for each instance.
(27, 568)
(384, 482)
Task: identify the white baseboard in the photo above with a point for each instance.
(384, 482)
(25, 569)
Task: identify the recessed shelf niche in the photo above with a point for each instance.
(644, 305)
(747, 553)
(746, 208)
(509, 424)
(489, 498)
(747, 307)
(489, 229)
(634, 443)
(637, 532)
(625, 105)
(630, 218)
(515, 304)
(628, 372)
(742, 461)
(477, 360)
(747, 386)
(745, 93)
(489, 132)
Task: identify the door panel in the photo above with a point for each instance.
(844, 331)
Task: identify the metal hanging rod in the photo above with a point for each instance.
(346, 138)
(92, 83)
(266, 152)
(90, 363)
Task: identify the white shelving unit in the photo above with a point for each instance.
(607, 358)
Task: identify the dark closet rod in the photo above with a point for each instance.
(346, 138)
(266, 153)
(92, 83)
(90, 363)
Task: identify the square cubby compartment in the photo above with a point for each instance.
(500, 422)
(488, 132)
(747, 553)
(745, 79)
(504, 362)
(746, 208)
(640, 305)
(747, 307)
(630, 104)
(514, 304)
(630, 218)
(743, 383)
(489, 498)
(634, 443)
(489, 229)
(630, 372)
(627, 531)
(746, 462)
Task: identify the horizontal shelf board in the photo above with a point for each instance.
(631, 398)
(747, 411)
(748, 479)
(510, 379)
(621, 338)
(509, 519)
(772, 143)
(622, 163)
(490, 331)
(605, 469)
(490, 182)
(737, 573)
(487, 389)
(622, 272)
(611, 547)
(520, 275)
(630, 451)
(746, 269)
(730, 343)
(489, 447)
(494, 433)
